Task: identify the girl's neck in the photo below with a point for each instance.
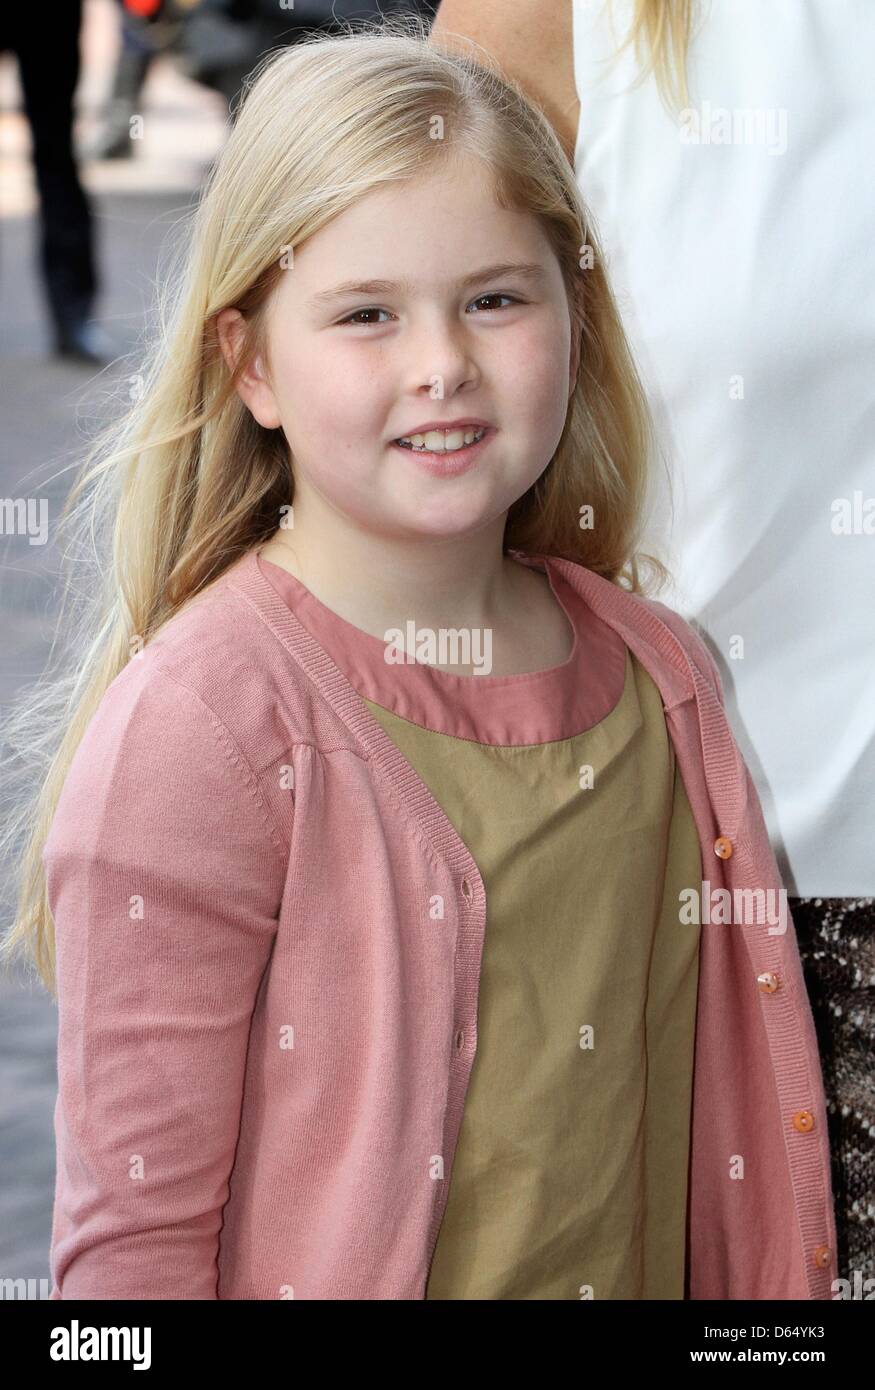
(529, 629)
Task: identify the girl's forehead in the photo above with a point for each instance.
(404, 229)
(438, 189)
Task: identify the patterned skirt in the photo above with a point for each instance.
(836, 939)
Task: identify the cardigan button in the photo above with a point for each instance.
(467, 890)
(723, 847)
(822, 1256)
(768, 982)
(460, 1038)
(803, 1120)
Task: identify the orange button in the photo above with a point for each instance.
(803, 1120)
(723, 847)
(768, 982)
(822, 1256)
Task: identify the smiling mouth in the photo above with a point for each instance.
(429, 449)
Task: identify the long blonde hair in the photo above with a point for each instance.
(186, 481)
(661, 32)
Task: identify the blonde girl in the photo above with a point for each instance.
(368, 865)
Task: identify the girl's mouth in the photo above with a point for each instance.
(447, 463)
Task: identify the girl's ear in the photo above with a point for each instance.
(253, 386)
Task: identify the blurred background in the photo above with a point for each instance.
(111, 114)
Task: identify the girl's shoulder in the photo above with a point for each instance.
(691, 641)
(612, 601)
(199, 718)
(157, 768)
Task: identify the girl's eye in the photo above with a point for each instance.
(355, 315)
(496, 295)
(356, 320)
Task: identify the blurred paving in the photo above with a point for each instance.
(47, 408)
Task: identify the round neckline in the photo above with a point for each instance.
(516, 711)
(359, 635)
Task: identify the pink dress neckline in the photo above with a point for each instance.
(512, 711)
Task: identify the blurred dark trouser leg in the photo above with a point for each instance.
(67, 231)
(836, 939)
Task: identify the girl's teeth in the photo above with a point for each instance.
(441, 442)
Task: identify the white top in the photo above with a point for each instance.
(740, 246)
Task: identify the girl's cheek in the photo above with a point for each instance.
(536, 356)
(534, 394)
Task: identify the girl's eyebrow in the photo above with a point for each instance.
(530, 271)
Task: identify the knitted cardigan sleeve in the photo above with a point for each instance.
(164, 875)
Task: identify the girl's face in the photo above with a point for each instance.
(443, 338)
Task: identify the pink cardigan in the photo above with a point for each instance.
(265, 1029)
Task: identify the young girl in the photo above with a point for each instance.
(412, 903)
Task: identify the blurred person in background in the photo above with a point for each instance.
(67, 256)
